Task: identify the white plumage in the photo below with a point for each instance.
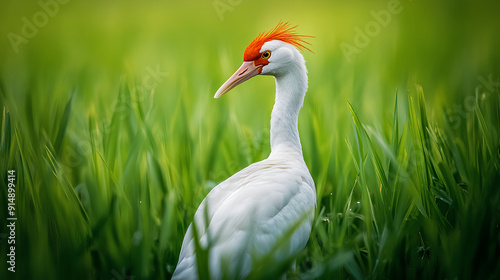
(249, 212)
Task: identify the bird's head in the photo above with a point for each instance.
(271, 53)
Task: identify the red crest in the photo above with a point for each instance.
(282, 32)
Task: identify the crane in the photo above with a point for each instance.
(244, 218)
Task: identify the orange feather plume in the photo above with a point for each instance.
(283, 32)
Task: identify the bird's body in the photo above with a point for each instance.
(248, 213)
(246, 217)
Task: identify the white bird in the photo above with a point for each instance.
(242, 218)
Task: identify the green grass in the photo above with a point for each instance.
(110, 124)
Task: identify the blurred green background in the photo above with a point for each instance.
(109, 121)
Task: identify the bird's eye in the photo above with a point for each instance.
(266, 55)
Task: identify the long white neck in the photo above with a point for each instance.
(291, 87)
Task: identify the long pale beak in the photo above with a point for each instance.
(246, 71)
